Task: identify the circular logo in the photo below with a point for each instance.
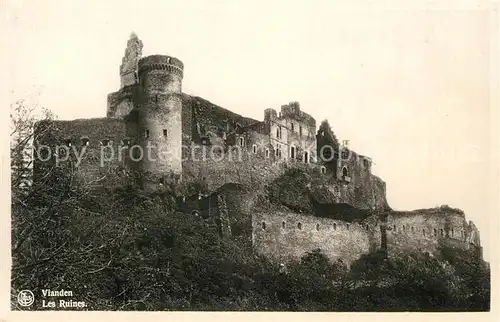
(25, 298)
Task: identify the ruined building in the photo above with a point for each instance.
(154, 129)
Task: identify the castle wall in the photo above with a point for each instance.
(207, 117)
(361, 188)
(99, 133)
(338, 240)
(239, 202)
(280, 142)
(292, 128)
(427, 231)
(284, 236)
(188, 127)
(217, 167)
(120, 103)
(261, 143)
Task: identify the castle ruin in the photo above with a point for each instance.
(188, 138)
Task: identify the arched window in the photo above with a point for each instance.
(165, 133)
(442, 232)
(323, 169)
(146, 134)
(263, 225)
(394, 227)
(283, 225)
(334, 226)
(299, 225)
(242, 141)
(267, 153)
(345, 172)
(292, 152)
(300, 130)
(317, 226)
(292, 127)
(347, 226)
(452, 233)
(306, 157)
(254, 148)
(278, 133)
(435, 232)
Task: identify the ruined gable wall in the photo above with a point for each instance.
(207, 116)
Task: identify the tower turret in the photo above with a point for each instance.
(156, 123)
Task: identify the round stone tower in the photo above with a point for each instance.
(156, 123)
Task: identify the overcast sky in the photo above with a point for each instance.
(408, 85)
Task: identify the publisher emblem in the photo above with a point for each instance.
(25, 298)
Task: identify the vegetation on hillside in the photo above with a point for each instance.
(120, 248)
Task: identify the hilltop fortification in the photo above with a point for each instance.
(158, 134)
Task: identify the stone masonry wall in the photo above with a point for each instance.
(284, 236)
(158, 120)
(363, 189)
(292, 128)
(427, 231)
(237, 165)
(104, 136)
(120, 103)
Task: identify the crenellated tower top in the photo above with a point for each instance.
(165, 63)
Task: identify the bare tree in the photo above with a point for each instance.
(23, 121)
